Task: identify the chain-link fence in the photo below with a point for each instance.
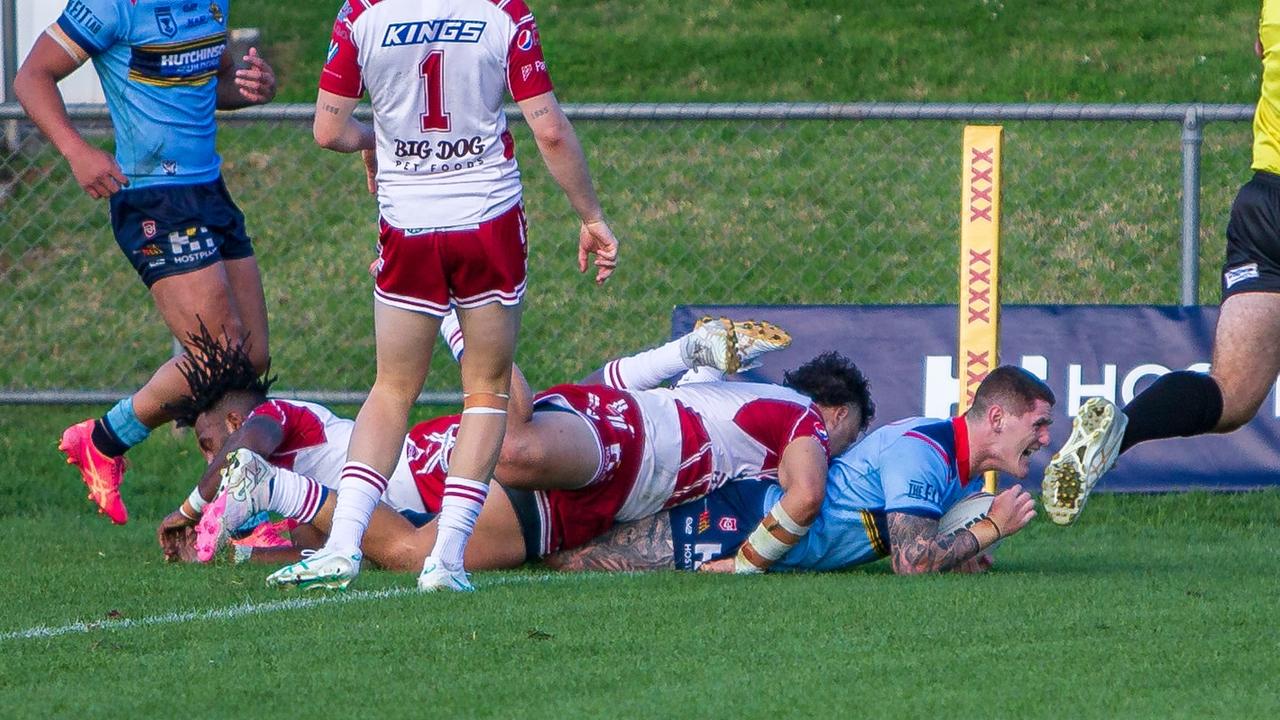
(714, 204)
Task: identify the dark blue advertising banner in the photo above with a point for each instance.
(908, 353)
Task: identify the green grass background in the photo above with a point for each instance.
(1154, 606)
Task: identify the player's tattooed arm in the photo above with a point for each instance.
(917, 547)
(641, 545)
(539, 112)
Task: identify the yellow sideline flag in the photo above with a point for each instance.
(979, 263)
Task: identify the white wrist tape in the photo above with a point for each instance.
(766, 545)
(786, 523)
(196, 501)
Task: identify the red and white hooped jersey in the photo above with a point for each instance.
(315, 444)
(437, 73)
(727, 431)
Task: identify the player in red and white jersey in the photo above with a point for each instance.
(452, 234)
(632, 471)
(306, 445)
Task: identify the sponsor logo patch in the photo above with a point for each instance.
(433, 31)
(81, 13)
(526, 39)
(1237, 275)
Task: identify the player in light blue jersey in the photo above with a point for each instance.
(884, 496)
(164, 70)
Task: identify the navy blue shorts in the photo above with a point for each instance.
(172, 229)
(714, 527)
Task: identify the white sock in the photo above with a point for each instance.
(459, 509)
(359, 491)
(451, 331)
(700, 375)
(648, 369)
(296, 496)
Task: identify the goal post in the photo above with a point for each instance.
(979, 336)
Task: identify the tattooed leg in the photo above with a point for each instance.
(917, 547)
(641, 545)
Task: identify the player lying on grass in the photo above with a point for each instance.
(884, 496)
(622, 455)
(894, 484)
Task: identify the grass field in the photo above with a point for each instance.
(1153, 606)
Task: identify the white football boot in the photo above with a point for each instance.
(239, 507)
(1090, 452)
(755, 338)
(318, 569)
(712, 344)
(435, 576)
(247, 482)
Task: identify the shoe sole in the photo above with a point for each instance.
(1067, 484)
(759, 332)
(439, 588)
(316, 583)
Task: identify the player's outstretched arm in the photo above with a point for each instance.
(335, 127)
(802, 473)
(917, 547)
(252, 85)
(36, 86)
(563, 155)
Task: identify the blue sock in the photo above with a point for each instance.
(125, 425)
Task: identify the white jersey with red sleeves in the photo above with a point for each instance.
(315, 444)
(437, 73)
(704, 435)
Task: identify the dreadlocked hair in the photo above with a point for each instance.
(219, 366)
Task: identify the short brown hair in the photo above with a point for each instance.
(1012, 388)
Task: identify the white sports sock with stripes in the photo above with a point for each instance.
(646, 370)
(459, 509)
(296, 496)
(451, 331)
(359, 491)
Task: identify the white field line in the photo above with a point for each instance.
(249, 609)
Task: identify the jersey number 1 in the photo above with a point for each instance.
(435, 118)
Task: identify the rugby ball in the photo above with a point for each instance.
(967, 512)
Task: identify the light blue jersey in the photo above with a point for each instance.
(158, 62)
(918, 466)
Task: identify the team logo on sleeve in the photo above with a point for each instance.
(164, 20)
(333, 51)
(148, 229)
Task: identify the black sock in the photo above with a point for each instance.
(106, 441)
(1179, 404)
